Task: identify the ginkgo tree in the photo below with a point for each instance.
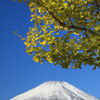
(64, 32)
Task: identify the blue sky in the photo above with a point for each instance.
(18, 72)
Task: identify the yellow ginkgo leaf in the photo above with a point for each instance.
(27, 44)
(76, 33)
(49, 60)
(30, 4)
(65, 4)
(34, 44)
(36, 59)
(23, 39)
(97, 28)
(43, 42)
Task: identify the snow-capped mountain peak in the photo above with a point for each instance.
(54, 90)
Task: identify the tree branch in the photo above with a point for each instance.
(97, 5)
(65, 25)
(70, 26)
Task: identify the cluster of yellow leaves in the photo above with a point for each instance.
(36, 59)
(64, 32)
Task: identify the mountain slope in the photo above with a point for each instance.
(54, 90)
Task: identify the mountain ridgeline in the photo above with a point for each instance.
(54, 90)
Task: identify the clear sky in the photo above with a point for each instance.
(18, 72)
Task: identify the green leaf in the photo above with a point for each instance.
(94, 68)
(97, 28)
(20, 1)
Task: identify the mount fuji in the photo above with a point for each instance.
(54, 90)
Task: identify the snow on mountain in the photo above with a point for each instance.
(54, 90)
